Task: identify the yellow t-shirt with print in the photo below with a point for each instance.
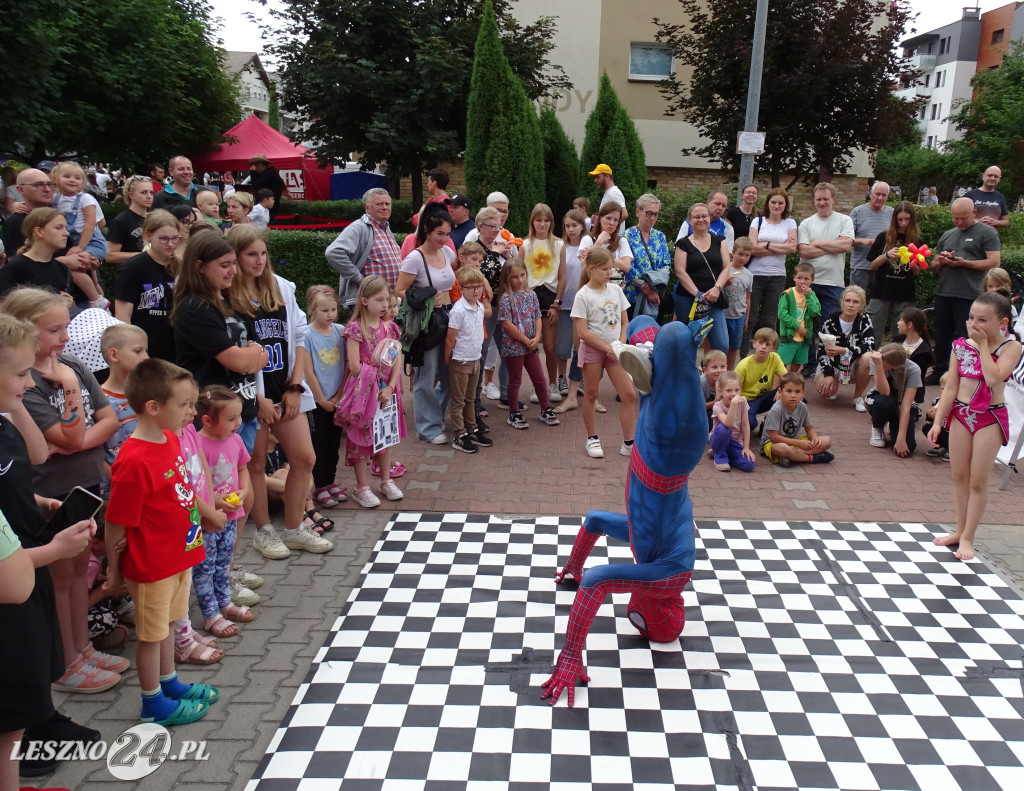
(756, 378)
(541, 259)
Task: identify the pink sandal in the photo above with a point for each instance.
(397, 469)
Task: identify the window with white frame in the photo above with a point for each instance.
(649, 61)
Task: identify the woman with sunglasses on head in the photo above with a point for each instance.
(124, 237)
(144, 288)
(650, 249)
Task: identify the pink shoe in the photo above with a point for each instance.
(397, 469)
(113, 664)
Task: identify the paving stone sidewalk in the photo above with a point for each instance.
(539, 471)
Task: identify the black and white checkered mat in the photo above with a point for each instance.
(815, 656)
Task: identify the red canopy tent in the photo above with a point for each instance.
(303, 177)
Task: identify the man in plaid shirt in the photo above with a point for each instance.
(366, 247)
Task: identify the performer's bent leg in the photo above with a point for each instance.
(596, 524)
(650, 580)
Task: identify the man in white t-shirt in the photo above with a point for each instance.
(823, 240)
(718, 202)
(602, 176)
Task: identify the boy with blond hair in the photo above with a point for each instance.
(123, 347)
(153, 509)
(760, 373)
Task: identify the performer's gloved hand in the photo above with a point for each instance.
(568, 672)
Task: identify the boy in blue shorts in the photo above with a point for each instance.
(738, 287)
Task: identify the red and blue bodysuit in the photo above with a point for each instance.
(980, 411)
(671, 435)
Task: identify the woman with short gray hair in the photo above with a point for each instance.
(649, 247)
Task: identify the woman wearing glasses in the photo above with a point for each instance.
(650, 249)
(144, 288)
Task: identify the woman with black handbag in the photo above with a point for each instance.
(431, 265)
(701, 264)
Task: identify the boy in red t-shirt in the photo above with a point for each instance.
(153, 506)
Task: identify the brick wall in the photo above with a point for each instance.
(850, 188)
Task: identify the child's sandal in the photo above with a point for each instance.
(195, 653)
(220, 626)
(237, 612)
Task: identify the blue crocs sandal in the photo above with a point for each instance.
(203, 693)
(185, 712)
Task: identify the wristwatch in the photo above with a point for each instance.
(296, 388)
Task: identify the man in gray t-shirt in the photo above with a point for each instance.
(869, 219)
(963, 255)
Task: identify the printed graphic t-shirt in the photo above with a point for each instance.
(151, 496)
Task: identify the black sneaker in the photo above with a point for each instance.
(59, 728)
(563, 386)
(517, 421)
(504, 402)
(549, 417)
(464, 442)
(822, 458)
(481, 427)
(481, 439)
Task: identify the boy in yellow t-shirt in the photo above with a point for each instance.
(760, 373)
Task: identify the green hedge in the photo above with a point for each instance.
(401, 210)
(299, 257)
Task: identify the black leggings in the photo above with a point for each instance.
(326, 436)
(885, 410)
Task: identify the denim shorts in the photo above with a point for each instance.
(735, 327)
(247, 431)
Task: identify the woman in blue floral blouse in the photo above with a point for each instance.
(650, 249)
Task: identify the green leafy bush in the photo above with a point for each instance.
(299, 256)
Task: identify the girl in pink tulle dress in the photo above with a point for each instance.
(368, 384)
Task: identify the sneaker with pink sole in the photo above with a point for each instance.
(114, 664)
(84, 678)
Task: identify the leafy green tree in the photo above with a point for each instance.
(274, 110)
(503, 147)
(611, 138)
(561, 165)
(913, 168)
(992, 124)
(98, 78)
(390, 79)
(829, 68)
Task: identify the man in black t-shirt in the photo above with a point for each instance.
(989, 203)
(181, 189)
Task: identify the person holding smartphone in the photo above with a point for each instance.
(30, 663)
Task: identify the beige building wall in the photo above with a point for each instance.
(595, 36)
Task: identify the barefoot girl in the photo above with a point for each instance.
(972, 409)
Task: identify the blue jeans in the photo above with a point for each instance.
(828, 296)
(735, 327)
(760, 405)
(247, 431)
(719, 335)
(430, 400)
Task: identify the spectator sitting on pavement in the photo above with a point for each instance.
(941, 447)
(894, 402)
(787, 435)
(761, 372)
(843, 361)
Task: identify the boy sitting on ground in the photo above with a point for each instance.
(760, 373)
(787, 434)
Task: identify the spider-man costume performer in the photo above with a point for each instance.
(671, 434)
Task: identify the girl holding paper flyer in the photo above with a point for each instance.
(375, 368)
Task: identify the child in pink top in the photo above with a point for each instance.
(226, 458)
(730, 434)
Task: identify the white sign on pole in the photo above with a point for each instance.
(750, 143)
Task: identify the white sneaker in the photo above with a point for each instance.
(491, 392)
(306, 539)
(594, 449)
(391, 491)
(440, 439)
(242, 595)
(625, 450)
(365, 497)
(249, 579)
(553, 395)
(832, 397)
(858, 404)
(533, 397)
(269, 544)
(877, 438)
(636, 361)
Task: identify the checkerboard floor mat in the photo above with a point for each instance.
(816, 655)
